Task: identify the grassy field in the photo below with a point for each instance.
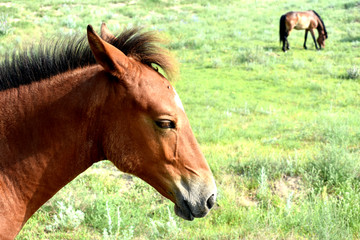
(281, 131)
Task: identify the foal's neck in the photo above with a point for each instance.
(48, 135)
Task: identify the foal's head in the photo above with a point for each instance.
(145, 128)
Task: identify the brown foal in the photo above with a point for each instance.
(55, 125)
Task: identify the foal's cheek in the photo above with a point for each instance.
(169, 145)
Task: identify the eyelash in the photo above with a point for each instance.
(165, 124)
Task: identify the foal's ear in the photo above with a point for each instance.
(105, 33)
(108, 56)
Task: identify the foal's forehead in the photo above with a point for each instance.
(158, 90)
(173, 97)
(178, 101)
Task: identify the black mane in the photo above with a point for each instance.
(322, 22)
(50, 59)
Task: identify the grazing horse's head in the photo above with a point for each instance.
(145, 129)
(321, 39)
(322, 31)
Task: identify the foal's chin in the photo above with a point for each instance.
(183, 213)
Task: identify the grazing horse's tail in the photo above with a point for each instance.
(322, 22)
(282, 29)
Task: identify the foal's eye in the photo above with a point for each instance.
(165, 124)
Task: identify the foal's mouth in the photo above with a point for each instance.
(184, 211)
(187, 211)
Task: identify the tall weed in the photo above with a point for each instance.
(110, 234)
(5, 26)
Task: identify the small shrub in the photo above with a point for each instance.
(332, 167)
(351, 5)
(353, 73)
(250, 55)
(217, 63)
(298, 64)
(69, 22)
(163, 230)
(67, 219)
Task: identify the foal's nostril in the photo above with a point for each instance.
(211, 201)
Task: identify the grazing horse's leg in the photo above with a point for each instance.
(287, 35)
(306, 33)
(287, 44)
(313, 36)
(284, 42)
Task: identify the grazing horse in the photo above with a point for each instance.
(308, 21)
(75, 102)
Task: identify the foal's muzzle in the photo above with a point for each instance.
(189, 205)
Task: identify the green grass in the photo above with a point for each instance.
(281, 132)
